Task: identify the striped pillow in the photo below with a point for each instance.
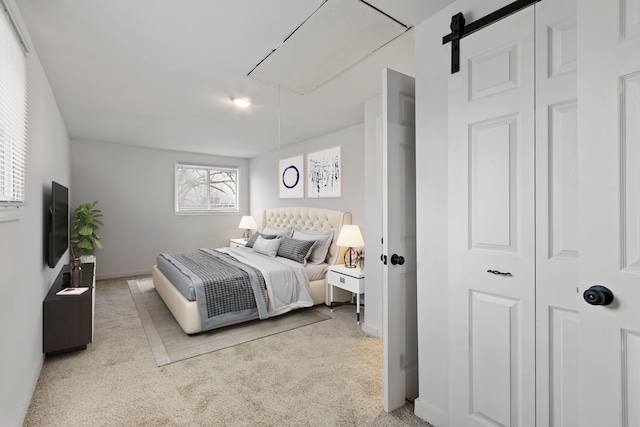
(295, 250)
(255, 236)
(267, 247)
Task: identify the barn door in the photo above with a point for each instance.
(491, 227)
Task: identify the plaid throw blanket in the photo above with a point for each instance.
(229, 286)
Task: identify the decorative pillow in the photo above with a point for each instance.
(296, 250)
(253, 238)
(319, 251)
(268, 247)
(278, 231)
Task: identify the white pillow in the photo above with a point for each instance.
(320, 249)
(267, 247)
(278, 231)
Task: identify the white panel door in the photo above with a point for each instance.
(609, 173)
(399, 239)
(557, 242)
(491, 227)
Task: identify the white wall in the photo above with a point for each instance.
(135, 187)
(24, 277)
(265, 176)
(433, 63)
(373, 220)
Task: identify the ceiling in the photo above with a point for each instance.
(161, 73)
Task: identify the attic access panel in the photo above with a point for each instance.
(339, 34)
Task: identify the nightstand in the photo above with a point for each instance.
(237, 243)
(349, 279)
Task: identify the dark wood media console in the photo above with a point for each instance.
(67, 320)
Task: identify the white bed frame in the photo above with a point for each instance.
(186, 312)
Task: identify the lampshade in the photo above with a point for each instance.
(350, 236)
(248, 223)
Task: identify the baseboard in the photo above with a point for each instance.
(430, 413)
(122, 275)
(371, 330)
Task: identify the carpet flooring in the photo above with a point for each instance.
(170, 344)
(328, 373)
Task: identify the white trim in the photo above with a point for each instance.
(188, 165)
(11, 211)
(9, 8)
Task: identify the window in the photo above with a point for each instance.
(205, 189)
(13, 118)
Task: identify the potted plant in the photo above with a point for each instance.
(84, 240)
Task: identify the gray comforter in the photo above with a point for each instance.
(225, 289)
(235, 284)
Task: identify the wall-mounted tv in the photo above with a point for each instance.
(59, 224)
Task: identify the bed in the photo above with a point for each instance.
(187, 306)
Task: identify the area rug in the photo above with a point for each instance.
(170, 344)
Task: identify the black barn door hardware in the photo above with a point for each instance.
(460, 31)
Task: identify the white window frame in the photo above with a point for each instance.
(13, 117)
(178, 210)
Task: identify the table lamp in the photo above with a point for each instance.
(247, 223)
(350, 237)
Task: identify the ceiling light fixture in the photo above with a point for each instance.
(241, 102)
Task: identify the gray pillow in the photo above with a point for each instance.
(319, 251)
(253, 238)
(296, 250)
(267, 247)
(278, 231)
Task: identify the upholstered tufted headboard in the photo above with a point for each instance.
(311, 219)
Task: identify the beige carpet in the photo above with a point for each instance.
(325, 374)
(170, 344)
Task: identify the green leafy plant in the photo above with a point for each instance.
(84, 240)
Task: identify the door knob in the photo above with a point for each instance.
(397, 259)
(598, 295)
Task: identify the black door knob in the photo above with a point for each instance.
(598, 295)
(397, 259)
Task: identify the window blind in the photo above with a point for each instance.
(13, 114)
(205, 189)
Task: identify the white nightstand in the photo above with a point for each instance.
(349, 279)
(237, 243)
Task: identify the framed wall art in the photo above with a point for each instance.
(291, 177)
(324, 174)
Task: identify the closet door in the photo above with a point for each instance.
(609, 171)
(557, 297)
(491, 231)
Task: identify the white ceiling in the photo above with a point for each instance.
(161, 73)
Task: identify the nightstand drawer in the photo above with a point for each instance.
(351, 284)
(237, 243)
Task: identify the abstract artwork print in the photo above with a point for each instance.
(291, 178)
(324, 177)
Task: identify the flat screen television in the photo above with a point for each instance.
(59, 224)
